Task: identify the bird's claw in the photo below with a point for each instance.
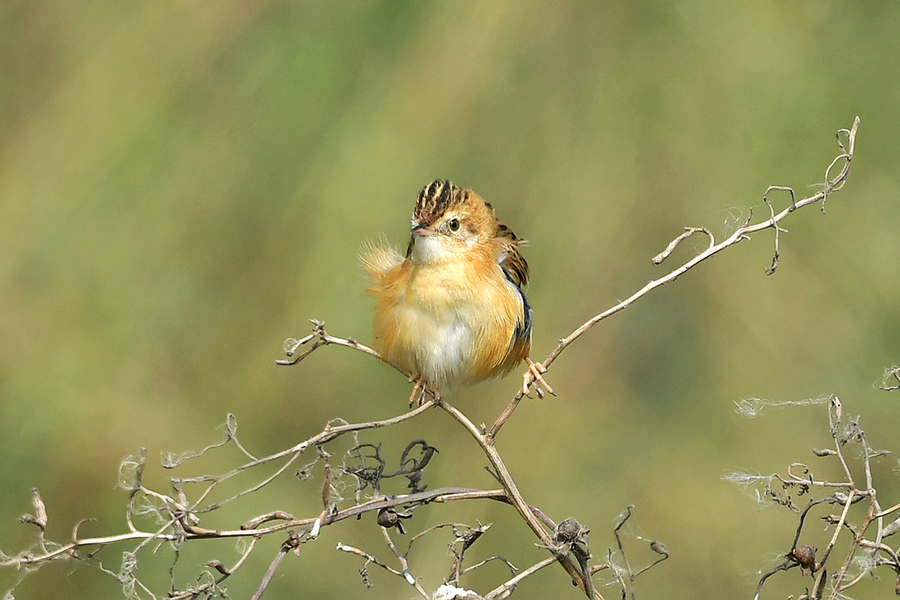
(534, 375)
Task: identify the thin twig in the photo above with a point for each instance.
(504, 591)
(404, 563)
(291, 543)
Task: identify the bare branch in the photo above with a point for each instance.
(832, 184)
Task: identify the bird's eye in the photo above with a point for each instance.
(453, 224)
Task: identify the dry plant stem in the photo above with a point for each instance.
(489, 559)
(515, 497)
(323, 339)
(504, 591)
(244, 555)
(304, 525)
(291, 543)
(837, 530)
(834, 417)
(630, 584)
(832, 184)
(404, 563)
(888, 511)
(362, 554)
(837, 585)
(835, 411)
(328, 434)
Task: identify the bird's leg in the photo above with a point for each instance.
(534, 375)
(420, 391)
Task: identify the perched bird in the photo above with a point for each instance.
(453, 310)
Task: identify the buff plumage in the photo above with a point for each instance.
(452, 311)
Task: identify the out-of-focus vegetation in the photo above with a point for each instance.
(183, 185)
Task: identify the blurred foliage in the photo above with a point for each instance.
(183, 185)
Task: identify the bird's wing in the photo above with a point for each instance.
(510, 260)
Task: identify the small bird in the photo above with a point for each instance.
(453, 311)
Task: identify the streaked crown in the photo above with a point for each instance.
(436, 199)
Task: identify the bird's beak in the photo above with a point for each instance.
(421, 230)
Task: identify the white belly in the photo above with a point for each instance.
(444, 351)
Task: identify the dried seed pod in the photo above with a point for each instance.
(388, 517)
(570, 531)
(805, 557)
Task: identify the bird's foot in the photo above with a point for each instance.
(534, 375)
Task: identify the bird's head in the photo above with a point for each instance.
(447, 222)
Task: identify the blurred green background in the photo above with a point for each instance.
(183, 185)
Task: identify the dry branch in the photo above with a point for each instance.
(181, 515)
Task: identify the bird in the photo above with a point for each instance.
(452, 310)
